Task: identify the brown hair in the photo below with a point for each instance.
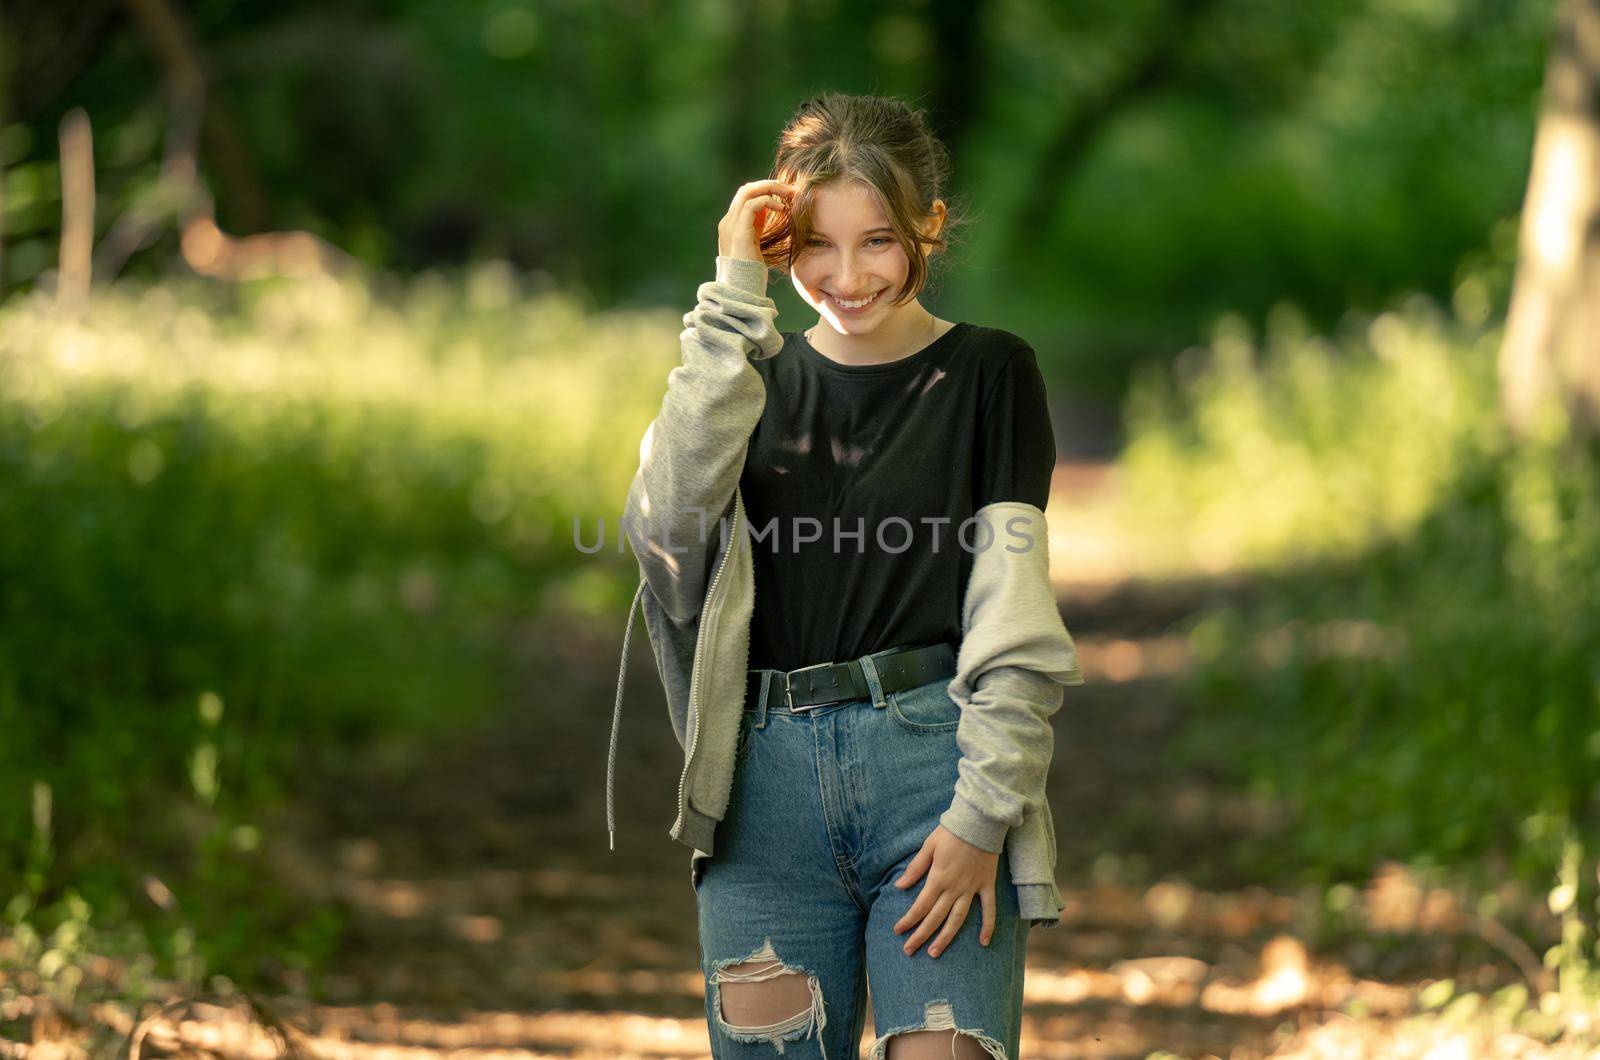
(884, 143)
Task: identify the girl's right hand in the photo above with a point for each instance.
(738, 233)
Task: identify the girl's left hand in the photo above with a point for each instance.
(956, 870)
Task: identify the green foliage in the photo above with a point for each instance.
(1419, 676)
(248, 527)
(1319, 152)
(1330, 445)
(1568, 1013)
(1328, 152)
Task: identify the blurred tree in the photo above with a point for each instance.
(1152, 69)
(962, 84)
(172, 41)
(1552, 341)
(51, 45)
(1142, 166)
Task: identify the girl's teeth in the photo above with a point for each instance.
(854, 305)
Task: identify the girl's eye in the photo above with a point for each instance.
(874, 239)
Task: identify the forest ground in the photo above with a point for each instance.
(490, 917)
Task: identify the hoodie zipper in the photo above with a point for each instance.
(700, 667)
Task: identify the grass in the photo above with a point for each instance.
(1418, 676)
(251, 526)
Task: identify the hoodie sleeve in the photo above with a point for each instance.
(694, 450)
(1015, 659)
(1016, 656)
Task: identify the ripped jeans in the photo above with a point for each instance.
(829, 805)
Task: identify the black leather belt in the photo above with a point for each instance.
(822, 683)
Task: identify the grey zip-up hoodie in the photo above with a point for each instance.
(685, 519)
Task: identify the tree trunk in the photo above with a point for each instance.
(959, 70)
(1551, 349)
(77, 211)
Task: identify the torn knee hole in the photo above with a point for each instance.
(746, 1003)
(759, 998)
(937, 1037)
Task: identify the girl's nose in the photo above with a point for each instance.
(848, 271)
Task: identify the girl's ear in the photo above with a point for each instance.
(937, 214)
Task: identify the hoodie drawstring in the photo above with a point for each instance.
(616, 718)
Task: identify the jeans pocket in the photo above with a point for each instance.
(697, 870)
(741, 749)
(926, 708)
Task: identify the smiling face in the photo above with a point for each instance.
(852, 254)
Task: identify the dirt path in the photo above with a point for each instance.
(490, 915)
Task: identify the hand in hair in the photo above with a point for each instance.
(738, 233)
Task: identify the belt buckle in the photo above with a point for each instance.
(788, 686)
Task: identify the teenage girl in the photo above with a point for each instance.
(875, 789)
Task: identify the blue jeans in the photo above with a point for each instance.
(829, 805)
